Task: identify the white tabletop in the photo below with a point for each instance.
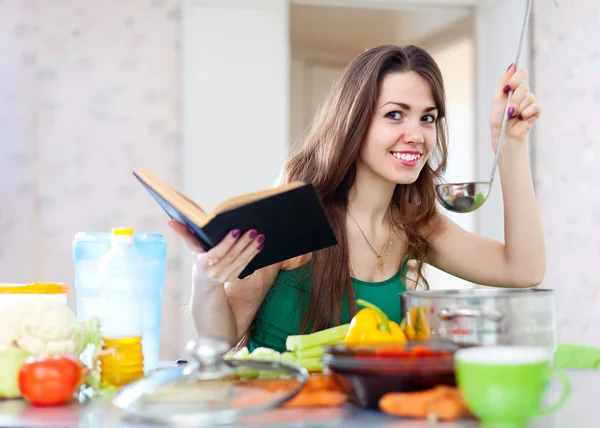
(579, 411)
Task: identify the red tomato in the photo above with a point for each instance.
(422, 351)
(49, 381)
(392, 351)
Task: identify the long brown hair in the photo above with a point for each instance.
(327, 159)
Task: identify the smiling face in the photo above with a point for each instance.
(402, 132)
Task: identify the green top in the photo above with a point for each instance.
(280, 314)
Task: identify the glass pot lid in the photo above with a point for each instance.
(210, 389)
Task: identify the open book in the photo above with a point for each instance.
(291, 217)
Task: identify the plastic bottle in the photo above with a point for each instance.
(120, 276)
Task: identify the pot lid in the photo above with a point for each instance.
(478, 292)
(210, 389)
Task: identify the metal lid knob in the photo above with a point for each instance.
(207, 355)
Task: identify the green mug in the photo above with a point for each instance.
(505, 385)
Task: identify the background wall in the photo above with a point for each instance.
(89, 91)
(566, 154)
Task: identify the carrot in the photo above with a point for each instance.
(317, 383)
(317, 399)
(447, 409)
(321, 382)
(442, 402)
(319, 391)
(270, 384)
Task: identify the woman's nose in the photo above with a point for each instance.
(413, 134)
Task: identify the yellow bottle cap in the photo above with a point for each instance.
(122, 231)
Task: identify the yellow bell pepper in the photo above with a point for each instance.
(371, 326)
(415, 325)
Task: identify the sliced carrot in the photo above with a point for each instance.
(317, 399)
(319, 391)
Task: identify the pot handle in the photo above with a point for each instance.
(489, 313)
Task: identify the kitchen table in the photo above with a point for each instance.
(582, 410)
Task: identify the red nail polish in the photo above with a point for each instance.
(260, 247)
(253, 233)
(520, 117)
(507, 89)
(260, 238)
(511, 112)
(235, 233)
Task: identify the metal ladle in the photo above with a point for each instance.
(467, 197)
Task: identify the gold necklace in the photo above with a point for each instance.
(385, 252)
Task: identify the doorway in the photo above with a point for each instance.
(324, 39)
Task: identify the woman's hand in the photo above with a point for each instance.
(523, 109)
(224, 262)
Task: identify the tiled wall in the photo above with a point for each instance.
(88, 92)
(567, 154)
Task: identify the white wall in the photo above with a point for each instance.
(87, 94)
(566, 68)
(457, 63)
(497, 31)
(311, 79)
(236, 89)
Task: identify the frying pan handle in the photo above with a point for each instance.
(489, 313)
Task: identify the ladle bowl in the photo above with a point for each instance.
(469, 196)
(463, 197)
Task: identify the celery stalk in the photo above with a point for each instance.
(314, 352)
(288, 357)
(311, 364)
(268, 374)
(323, 337)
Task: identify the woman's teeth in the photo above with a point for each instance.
(406, 156)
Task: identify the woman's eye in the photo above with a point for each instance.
(395, 115)
(428, 118)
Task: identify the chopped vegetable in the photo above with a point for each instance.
(415, 327)
(317, 399)
(310, 364)
(329, 336)
(401, 351)
(319, 391)
(42, 327)
(443, 403)
(304, 350)
(314, 352)
(45, 328)
(371, 326)
(48, 381)
(11, 359)
(267, 354)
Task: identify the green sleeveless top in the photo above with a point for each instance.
(281, 312)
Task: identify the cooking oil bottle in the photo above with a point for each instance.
(121, 277)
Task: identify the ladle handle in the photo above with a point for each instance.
(510, 94)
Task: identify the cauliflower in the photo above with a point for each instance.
(42, 327)
(46, 327)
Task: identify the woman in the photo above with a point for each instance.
(374, 153)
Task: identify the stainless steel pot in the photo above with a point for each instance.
(486, 316)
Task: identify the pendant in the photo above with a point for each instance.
(380, 257)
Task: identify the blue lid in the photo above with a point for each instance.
(102, 237)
